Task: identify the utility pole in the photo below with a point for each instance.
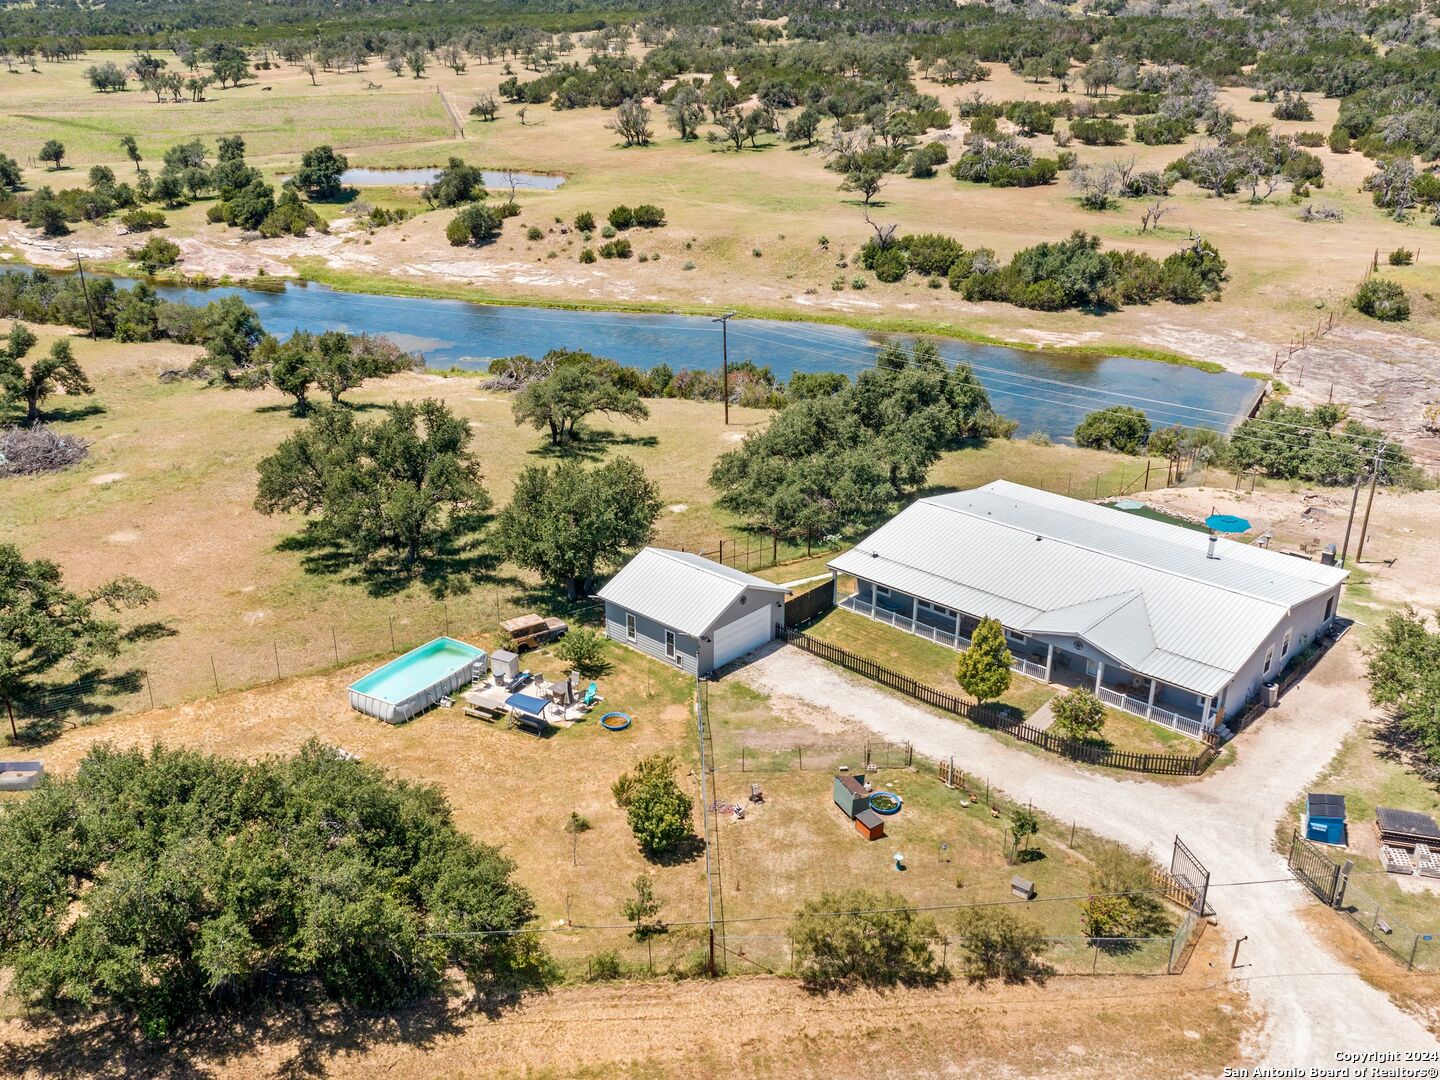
(1349, 524)
(1369, 501)
(89, 313)
(724, 321)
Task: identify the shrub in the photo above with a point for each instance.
(890, 265)
(1162, 130)
(156, 253)
(649, 217)
(1098, 132)
(984, 668)
(616, 249)
(607, 231)
(1124, 902)
(587, 255)
(584, 650)
(476, 224)
(999, 944)
(1292, 107)
(1339, 140)
(534, 232)
(1401, 257)
(1119, 428)
(604, 966)
(657, 810)
(1079, 714)
(1065, 160)
(1382, 299)
(622, 217)
(884, 942)
(139, 220)
(585, 221)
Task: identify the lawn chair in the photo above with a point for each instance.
(592, 696)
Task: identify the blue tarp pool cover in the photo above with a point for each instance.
(1227, 523)
(532, 706)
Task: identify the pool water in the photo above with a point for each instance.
(416, 670)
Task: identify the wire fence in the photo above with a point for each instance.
(301, 651)
(1334, 884)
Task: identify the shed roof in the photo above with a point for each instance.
(1141, 591)
(680, 590)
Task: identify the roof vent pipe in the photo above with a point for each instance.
(1210, 551)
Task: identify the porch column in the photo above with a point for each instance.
(1209, 705)
(914, 611)
(1049, 660)
(1150, 704)
(1099, 675)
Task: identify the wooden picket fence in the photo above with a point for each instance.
(985, 716)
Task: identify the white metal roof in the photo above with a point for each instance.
(680, 590)
(1144, 592)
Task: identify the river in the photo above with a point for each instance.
(1046, 391)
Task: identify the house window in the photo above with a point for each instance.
(937, 609)
(1329, 608)
(1285, 645)
(881, 590)
(670, 644)
(1269, 659)
(629, 627)
(1015, 636)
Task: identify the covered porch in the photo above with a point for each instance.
(1170, 706)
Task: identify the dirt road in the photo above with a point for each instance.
(1314, 1005)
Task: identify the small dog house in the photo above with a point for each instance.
(851, 794)
(869, 824)
(1325, 818)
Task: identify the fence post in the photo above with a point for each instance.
(742, 759)
(335, 640)
(800, 753)
(1410, 964)
(214, 673)
(276, 646)
(150, 687)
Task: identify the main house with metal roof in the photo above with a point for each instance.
(688, 611)
(1159, 620)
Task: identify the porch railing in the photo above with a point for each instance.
(954, 641)
(1154, 713)
(1134, 706)
(904, 622)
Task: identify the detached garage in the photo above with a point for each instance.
(690, 612)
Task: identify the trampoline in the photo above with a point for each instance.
(615, 721)
(886, 802)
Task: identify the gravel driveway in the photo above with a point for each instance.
(1313, 1003)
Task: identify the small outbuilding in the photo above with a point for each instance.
(688, 611)
(1325, 818)
(870, 825)
(851, 794)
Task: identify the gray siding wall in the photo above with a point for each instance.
(745, 604)
(650, 639)
(1305, 623)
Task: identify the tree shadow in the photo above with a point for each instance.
(457, 563)
(49, 710)
(65, 414)
(592, 445)
(311, 1036)
(684, 851)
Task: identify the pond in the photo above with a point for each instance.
(362, 178)
(1046, 391)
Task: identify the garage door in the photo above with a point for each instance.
(742, 635)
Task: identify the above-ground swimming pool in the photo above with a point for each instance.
(410, 684)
